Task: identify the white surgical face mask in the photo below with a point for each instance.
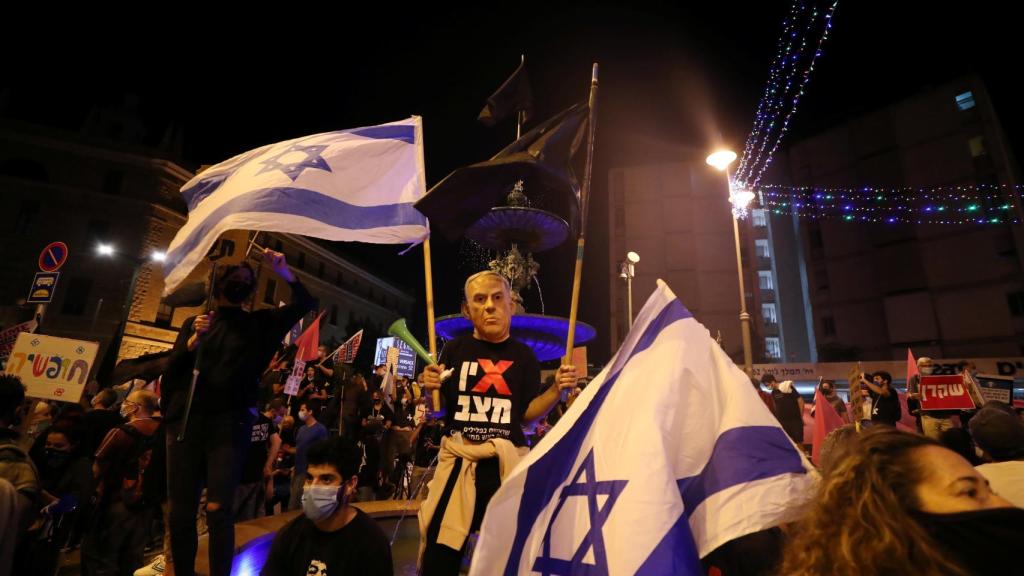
(303, 415)
(319, 502)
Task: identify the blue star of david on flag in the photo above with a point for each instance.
(590, 489)
(294, 169)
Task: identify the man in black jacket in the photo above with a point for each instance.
(233, 348)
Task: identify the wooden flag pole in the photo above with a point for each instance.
(584, 205)
(435, 396)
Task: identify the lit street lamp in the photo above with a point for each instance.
(739, 199)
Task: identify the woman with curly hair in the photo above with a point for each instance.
(899, 503)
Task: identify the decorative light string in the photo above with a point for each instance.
(968, 204)
(788, 77)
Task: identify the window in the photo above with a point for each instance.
(828, 326)
(334, 314)
(164, 314)
(764, 280)
(302, 261)
(761, 249)
(760, 217)
(268, 296)
(320, 270)
(772, 348)
(1016, 302)
(769, 314)
(965, 101)
(76, 296)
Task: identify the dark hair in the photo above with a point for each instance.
(959, 440)
(884, 375)
(72, 432)
(313, 406)
(768, 378)
(12, 395)
(230, 269)
(339, 452)
(106, 397)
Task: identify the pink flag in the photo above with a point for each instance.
(826, 419)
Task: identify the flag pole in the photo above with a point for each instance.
(584, 205)
(435, 396)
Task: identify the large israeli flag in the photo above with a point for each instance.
(668, 454)
(354, 185)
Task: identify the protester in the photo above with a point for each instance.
(898, 503)
(885, 404)
(789, 407)
(18, 478)
(309, 432)
(998, 431)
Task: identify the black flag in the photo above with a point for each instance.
(541, 158)
(514, 95)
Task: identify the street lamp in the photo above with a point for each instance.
(105, 249)
(627, 272)
(109, 251)
(739, 199)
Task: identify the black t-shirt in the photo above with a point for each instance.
(787, 406)
(375, 418)
(490, 388)
(358, 549)
(259, 445)
(885, 409)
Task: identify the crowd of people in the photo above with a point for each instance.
(140, 467)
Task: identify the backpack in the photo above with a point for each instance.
(136, 469)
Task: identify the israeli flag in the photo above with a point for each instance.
(350, 185)
(667, 454)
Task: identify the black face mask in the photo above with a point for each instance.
(56, 458)
(236, 291)
(984, 541)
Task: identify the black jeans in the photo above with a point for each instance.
(211, 455)
(438, 559)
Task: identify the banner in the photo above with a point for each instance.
(291, 385)
(945, 393)
(1012, 366)
(10, 335)
(52, 368)
(998, 388)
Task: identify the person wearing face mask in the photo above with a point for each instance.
(309, 432)
(898, 503)
(933, 422)
(230, 347)
(66, 477)
(330, 536)
(116, 538)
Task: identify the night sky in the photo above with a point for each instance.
(691, 74)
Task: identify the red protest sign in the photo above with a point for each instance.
(945, 393)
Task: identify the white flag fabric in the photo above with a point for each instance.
(667, 454)
(351, 185)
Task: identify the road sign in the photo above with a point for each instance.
(43, 286)
(53, 257)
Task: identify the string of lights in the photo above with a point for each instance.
(968, 204)
(788, 77)
(796, 99)
(781, 57)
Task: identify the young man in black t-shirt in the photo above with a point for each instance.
(330, 537)
(493, 391)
